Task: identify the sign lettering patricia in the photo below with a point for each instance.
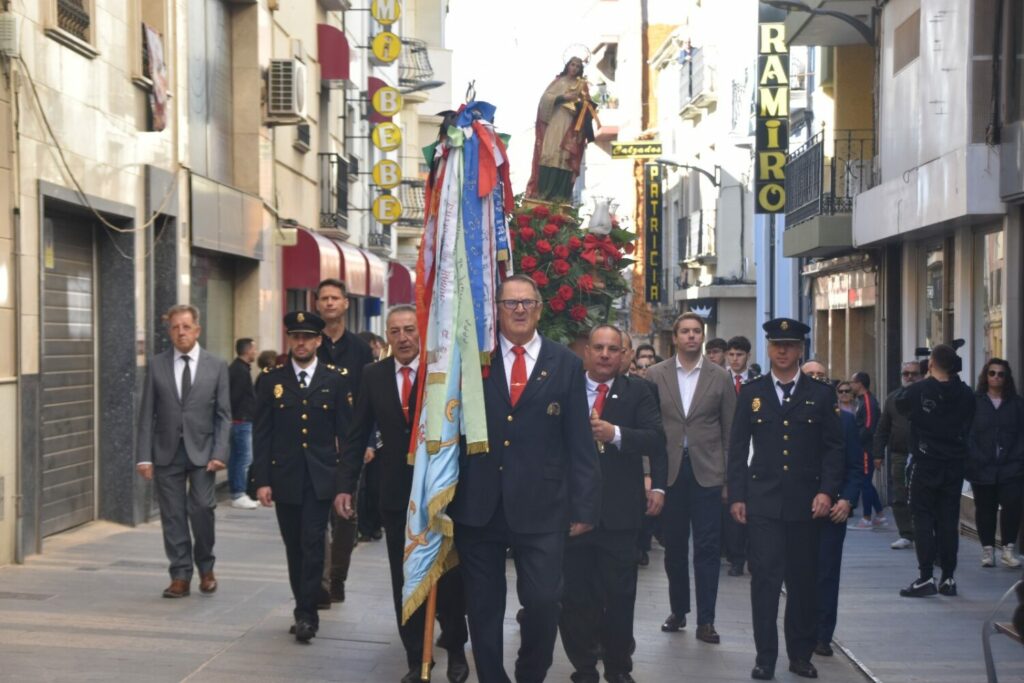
(653, 209)
(636, 150)
(772, 132)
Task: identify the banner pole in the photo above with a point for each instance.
(428, 634)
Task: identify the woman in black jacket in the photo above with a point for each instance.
(995, 466)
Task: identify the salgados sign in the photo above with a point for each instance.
(772, 118)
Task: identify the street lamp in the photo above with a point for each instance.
(866, 32)
(715, 177)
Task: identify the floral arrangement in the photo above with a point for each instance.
(579, 273)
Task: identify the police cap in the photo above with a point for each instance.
(303, 321)
(785, 329)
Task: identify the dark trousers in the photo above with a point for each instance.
(935, 487)
(538, 561)
(900, 495)
(830, 559)
(649, 528)
(734, 539)
(597, 604)
(369, 514)
(451, 598)
(988, 499)
(687, 504)
(303, 528)
(869, 500)
(185, 494)
(339, 547)
(783, 552)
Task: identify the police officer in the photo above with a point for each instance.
(790, 483)
(302, 414)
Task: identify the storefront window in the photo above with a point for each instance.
(990, 266)
(934, 294)
(213, 293)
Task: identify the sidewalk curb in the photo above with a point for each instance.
(857, 664)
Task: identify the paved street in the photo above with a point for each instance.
(89, 608)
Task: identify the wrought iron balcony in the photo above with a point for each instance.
(73, 17)
(333, 191)
(379, 241)
(823, 176)
(414, 63)
(696, 81)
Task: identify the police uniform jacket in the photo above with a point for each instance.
(299, 431)
(798, 448)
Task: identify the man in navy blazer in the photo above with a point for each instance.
(538, 483)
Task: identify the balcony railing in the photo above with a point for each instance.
(823, 176)
(379, 241)
(73, 17)
(696, 79)
(333, 191)
(414, 63)
(697, 235)
(410, 193)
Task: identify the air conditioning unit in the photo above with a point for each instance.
(286, 90)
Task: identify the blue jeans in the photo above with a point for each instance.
(241, 458)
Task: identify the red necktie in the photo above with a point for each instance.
(602, 393)
(406, 390)
(738, 382)
(518, 374)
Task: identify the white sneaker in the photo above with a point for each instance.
(879, 520)
(901, 544)
(1009, 558)
(244, 503)
(863, 524)
(988, 558)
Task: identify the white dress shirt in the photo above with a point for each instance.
(688, 382)
(778, 389)
(509, 357)
(415, 365)
(592, 399)
(309, 370)
(179, 366)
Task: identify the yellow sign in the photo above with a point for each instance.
(387, 174)
(772, 131)
(636, 150)
(386, 137)
(385, 47)
(387, 209)
(386, 12)
(387, 101)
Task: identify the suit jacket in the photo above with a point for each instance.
(705, 429)
(632, 406)
(203, 421)
(541, 464)
(798, 448)
(298, 431)
(379, 403)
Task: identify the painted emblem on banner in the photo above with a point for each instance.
(554, 408)
(449, 409)
(755, 405)
(278, 391)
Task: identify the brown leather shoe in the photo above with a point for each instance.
(207, 583)
(177, 589)
(707, 633)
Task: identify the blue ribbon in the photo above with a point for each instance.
(472, 225)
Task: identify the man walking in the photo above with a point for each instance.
(697, 406)
(600, 567)
(243, 410)
(344, 350)
(387, 398)
(940, 409)
(539, 481)
(867, 423)
(892, 436)
(302, 415)
(734, 534)
(791, 482)
(184, 430)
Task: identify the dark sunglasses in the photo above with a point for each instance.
(911, 374)
(996, 373)
(845, 391)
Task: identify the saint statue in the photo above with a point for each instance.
(565, 124)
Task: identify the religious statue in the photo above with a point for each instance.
(565, 124)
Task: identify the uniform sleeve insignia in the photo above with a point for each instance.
(755, 405)
(554, 408)
(278, 391)
(301, 318)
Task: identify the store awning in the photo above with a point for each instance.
(310, 260)
(353, 268)
(333, 54)
(378, 274)
(400, 289)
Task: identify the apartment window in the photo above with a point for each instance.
(936, 322)
(906, 42)
(72, 22)
(149, 35)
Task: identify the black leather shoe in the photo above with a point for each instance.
(413, 676)
(458, 667)
(823, 649)
(948, 587)
(762, 672)
(323, 601)
(803, 669)
(708, 634)
(337, 590)
(644, 559)
(588, 676)
(736, 570)
(619, 678)
(673, 624)
(304, 631)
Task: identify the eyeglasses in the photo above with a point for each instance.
(996, 373)
(911, 374)
(844, 391)
(513, 304)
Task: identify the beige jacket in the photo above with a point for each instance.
(706, 428)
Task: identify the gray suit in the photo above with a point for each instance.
(180, 439)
